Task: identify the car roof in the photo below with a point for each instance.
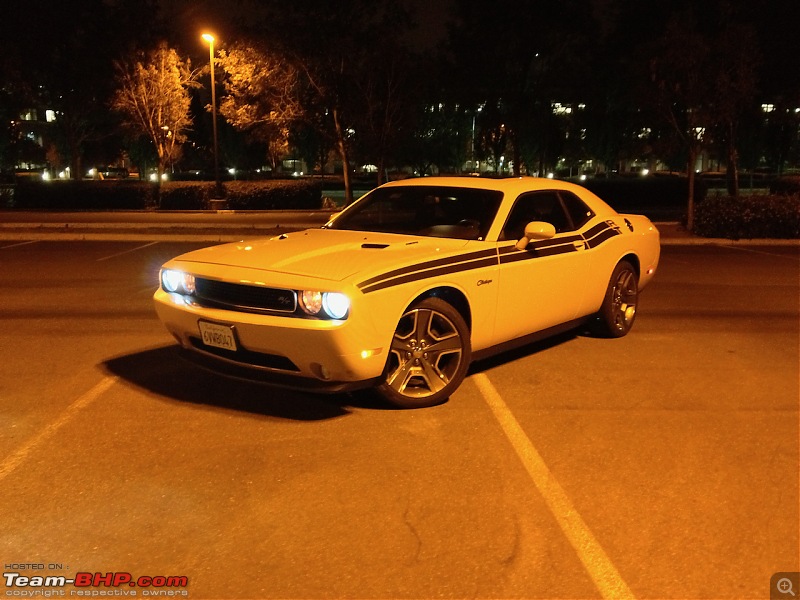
(506, 184)
(509, 186)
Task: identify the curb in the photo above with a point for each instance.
(672, 233)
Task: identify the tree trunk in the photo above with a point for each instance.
(341, 144)
(517, 156)
(690, 177)
(733, 163)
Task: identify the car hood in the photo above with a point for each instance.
(328, 254)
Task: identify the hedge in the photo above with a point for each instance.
(749, 217)
(175, 195)
(82, 195)
(786, 185)
(656, 196)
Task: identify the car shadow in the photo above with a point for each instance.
(529, 349)
(163, 372)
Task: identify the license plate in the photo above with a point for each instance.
(218, 336)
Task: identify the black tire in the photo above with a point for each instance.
(429, 356)
(620, 303)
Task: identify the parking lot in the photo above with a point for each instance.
(660, 465)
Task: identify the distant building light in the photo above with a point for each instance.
(50, 116)
(768, 108)
(561, 109)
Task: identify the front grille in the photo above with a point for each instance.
(238, 296)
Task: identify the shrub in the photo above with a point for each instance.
(274, 194)
(175, 195)
(786, 185)
(655, 196)
(82, 195)
(185, 195)
(749, 217)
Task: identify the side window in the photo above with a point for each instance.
(577, 210)
(538, 206)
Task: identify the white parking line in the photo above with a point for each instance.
(127, 251)
(19, 244)
(15, 459)
(591, 554)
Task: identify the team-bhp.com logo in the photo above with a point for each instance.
(92, 584)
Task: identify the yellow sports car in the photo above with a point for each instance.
(409, 284)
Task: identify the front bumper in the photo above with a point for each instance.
(322, 355)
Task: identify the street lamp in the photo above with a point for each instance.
(219, 192)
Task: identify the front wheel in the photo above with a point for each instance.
(429, 355)
(618, 311)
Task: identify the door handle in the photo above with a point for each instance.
(579, 245)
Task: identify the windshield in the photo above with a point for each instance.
(451, 212)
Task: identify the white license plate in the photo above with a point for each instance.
(218, 336)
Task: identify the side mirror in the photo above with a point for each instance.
(536, 230)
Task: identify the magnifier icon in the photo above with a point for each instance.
(784, 586)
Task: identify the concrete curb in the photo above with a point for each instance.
(672, 233)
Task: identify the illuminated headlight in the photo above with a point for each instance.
(332, 305)
(177, 281)
(336, 305)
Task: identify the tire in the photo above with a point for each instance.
(620, 303)
(429, 356)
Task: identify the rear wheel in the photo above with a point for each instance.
(618, 312)
(429, 355)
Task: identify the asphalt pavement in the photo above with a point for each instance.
(226, 226)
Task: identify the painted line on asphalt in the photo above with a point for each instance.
(127, 251)
(595, 560)
(15, 459)
(19, 244)
(793, 257)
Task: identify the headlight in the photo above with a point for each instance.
(332, 305)
(177, 281)
(335, 304)
(311, 302)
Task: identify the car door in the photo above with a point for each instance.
(541, 286)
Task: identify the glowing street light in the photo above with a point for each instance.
(218, 188)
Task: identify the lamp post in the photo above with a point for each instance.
(219, 192)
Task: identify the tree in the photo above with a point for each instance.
(334, 46)
(153, 98)
(59, 56)
(262, 96)
(683, 89)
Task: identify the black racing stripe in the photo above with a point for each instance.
(532, 251)
(596, 229)
(601, 237)
(429, 265)
(486, 258)
(435, 272)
